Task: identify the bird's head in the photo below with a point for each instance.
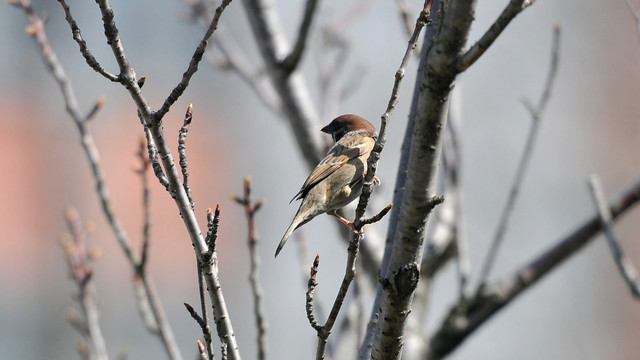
(344, 124)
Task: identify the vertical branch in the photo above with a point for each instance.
(146, 205)
(536, 114)
(74, 245)
(182, 152)
(149, 303)
(350, 272)
(422, 20)
(250, 209)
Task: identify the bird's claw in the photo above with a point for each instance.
(376, 180)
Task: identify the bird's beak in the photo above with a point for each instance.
(327, 129)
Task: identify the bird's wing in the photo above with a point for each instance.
(344, 150)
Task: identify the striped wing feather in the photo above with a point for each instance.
(343, 151)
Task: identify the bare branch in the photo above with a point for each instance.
(164, 329)
(625, 266)
(475, 52)
(144, 306)
(75, 251)
(291, 89)
(350, 273)
(182, 152)
(84, 49)
(203, 324)
(193, 64)
(523, 163)
(153, 157)
(96, 107)
(466, 316)
(290, 62)
(422, 20)
(311, 288)
(250, 209)
(203, 351)
(405, 18)
(255, 78)
(146, 205)
(213, 221)
(377, 217)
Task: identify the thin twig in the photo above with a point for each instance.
(403, 11)
(144, 306)
(84, 49)
(467, 316)
(350, 273)
(193, 64)
(146, 205)
(153, 157)
(96, 107)
(75, 251)
(475, 52)
(377, 217)
(182, 152)
(213, 221)
(289, 63)
(311, 288)
(257, 79)
(625, 266)
(203, 351)
(140, 288)
(250, 209)
(523, 163)
(204, 326)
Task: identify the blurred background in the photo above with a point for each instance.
(583, 310)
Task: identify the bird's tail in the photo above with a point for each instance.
(294, 225)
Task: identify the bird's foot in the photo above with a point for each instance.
(346, 222)
(376, 180)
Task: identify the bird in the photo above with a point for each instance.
(337, 179)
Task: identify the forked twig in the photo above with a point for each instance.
(536, 113)
(625, 266)
(250, 209)
(475, 52)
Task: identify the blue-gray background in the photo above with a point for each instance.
(583, 310)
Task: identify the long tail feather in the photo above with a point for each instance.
(294, 225)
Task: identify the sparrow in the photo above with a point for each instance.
(337, 179)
